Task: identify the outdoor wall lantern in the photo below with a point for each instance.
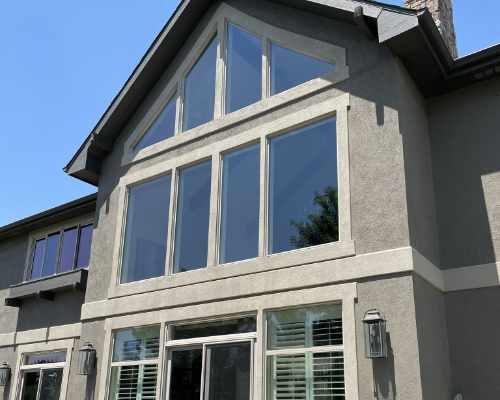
(4, 374)
(87, 357)
(375, 334)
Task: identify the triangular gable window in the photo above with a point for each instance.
(290, 68)
(162, 128)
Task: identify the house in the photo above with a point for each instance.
(295, 200)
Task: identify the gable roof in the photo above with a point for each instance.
(411, 34)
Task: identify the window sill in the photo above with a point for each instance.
(46, 288)
(250, 112)
(293, 258)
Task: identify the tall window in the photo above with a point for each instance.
(228, 361)
(162, 128)
(41, 375)
(61, 251)
(199, 91)
(244, 69)
(305, 356)
(303, 203)
(145, 244)
(134, 367)
(193, 211)
(239, 238)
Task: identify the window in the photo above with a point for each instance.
(42, 375)
(199, 95)
(244, 69)
(228, 361)
(193, 210)
(134, 367)
(290, 68)
(61, 251)
(162, 128)
(145, 243)
(303, 203)
(240, 204)
(305, 356)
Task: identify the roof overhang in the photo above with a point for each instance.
(411, 34)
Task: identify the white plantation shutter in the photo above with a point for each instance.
(136, 382)
(317, 373)
(149, 376)
(127, 382)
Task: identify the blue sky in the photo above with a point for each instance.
(63, 62)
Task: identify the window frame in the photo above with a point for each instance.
(43, 234)
(173, 81)
(48, 347)
(256, 305)
(333, 107)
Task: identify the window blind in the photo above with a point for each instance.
(136, 382)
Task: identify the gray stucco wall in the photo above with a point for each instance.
(465, 140)
(378, 194)
(433, 344)
(474, 331)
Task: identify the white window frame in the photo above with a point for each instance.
(333, 107)
(174, 86)
(24, 350)
(345, 294)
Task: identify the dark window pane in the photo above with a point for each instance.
(228, 374)
(289, 68)
(214, 328)
(162, 128)
(185, 378)
(84, 246)
(51, 255)
(68, 249)
(303, 188)
(51, 384)
(45, 358)
(244, 72)
(37, 263)
(193, 209)
(30, 385)
(145, 245)
(240, 205)
(199, 95)
(137, 344)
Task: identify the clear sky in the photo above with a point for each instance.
(63, 62)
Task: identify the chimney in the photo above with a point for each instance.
(442, 12)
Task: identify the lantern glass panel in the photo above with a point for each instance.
(4, 374)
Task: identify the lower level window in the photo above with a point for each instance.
(134, 369)
(212, 367)
(305, 355)
(41, 376)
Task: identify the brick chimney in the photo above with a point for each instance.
(442, 11)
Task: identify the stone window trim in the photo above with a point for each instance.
(338, 107)
(57, 345)
(341, 294)
(217, 27)
(43, 233)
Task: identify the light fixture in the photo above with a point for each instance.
(4, 373)
(375, 334)
(87, 357)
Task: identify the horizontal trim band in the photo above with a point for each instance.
(41, 335)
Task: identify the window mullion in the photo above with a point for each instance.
(265, 68)
(220, 71)
(213, 241)
(77, 246)
(263, 209)
(171, 223)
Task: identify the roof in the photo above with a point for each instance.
(75, 208)
(411, 34)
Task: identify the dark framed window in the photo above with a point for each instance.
(62, 251)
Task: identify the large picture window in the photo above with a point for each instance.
(305, 356)
(303, 194)
(61, 251)
(134, 367)
(215, 362)
(145, 243)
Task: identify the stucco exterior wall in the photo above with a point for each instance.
(430, 314)
(473, 331)
(464, 140)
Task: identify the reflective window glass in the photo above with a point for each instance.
(162, 128)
